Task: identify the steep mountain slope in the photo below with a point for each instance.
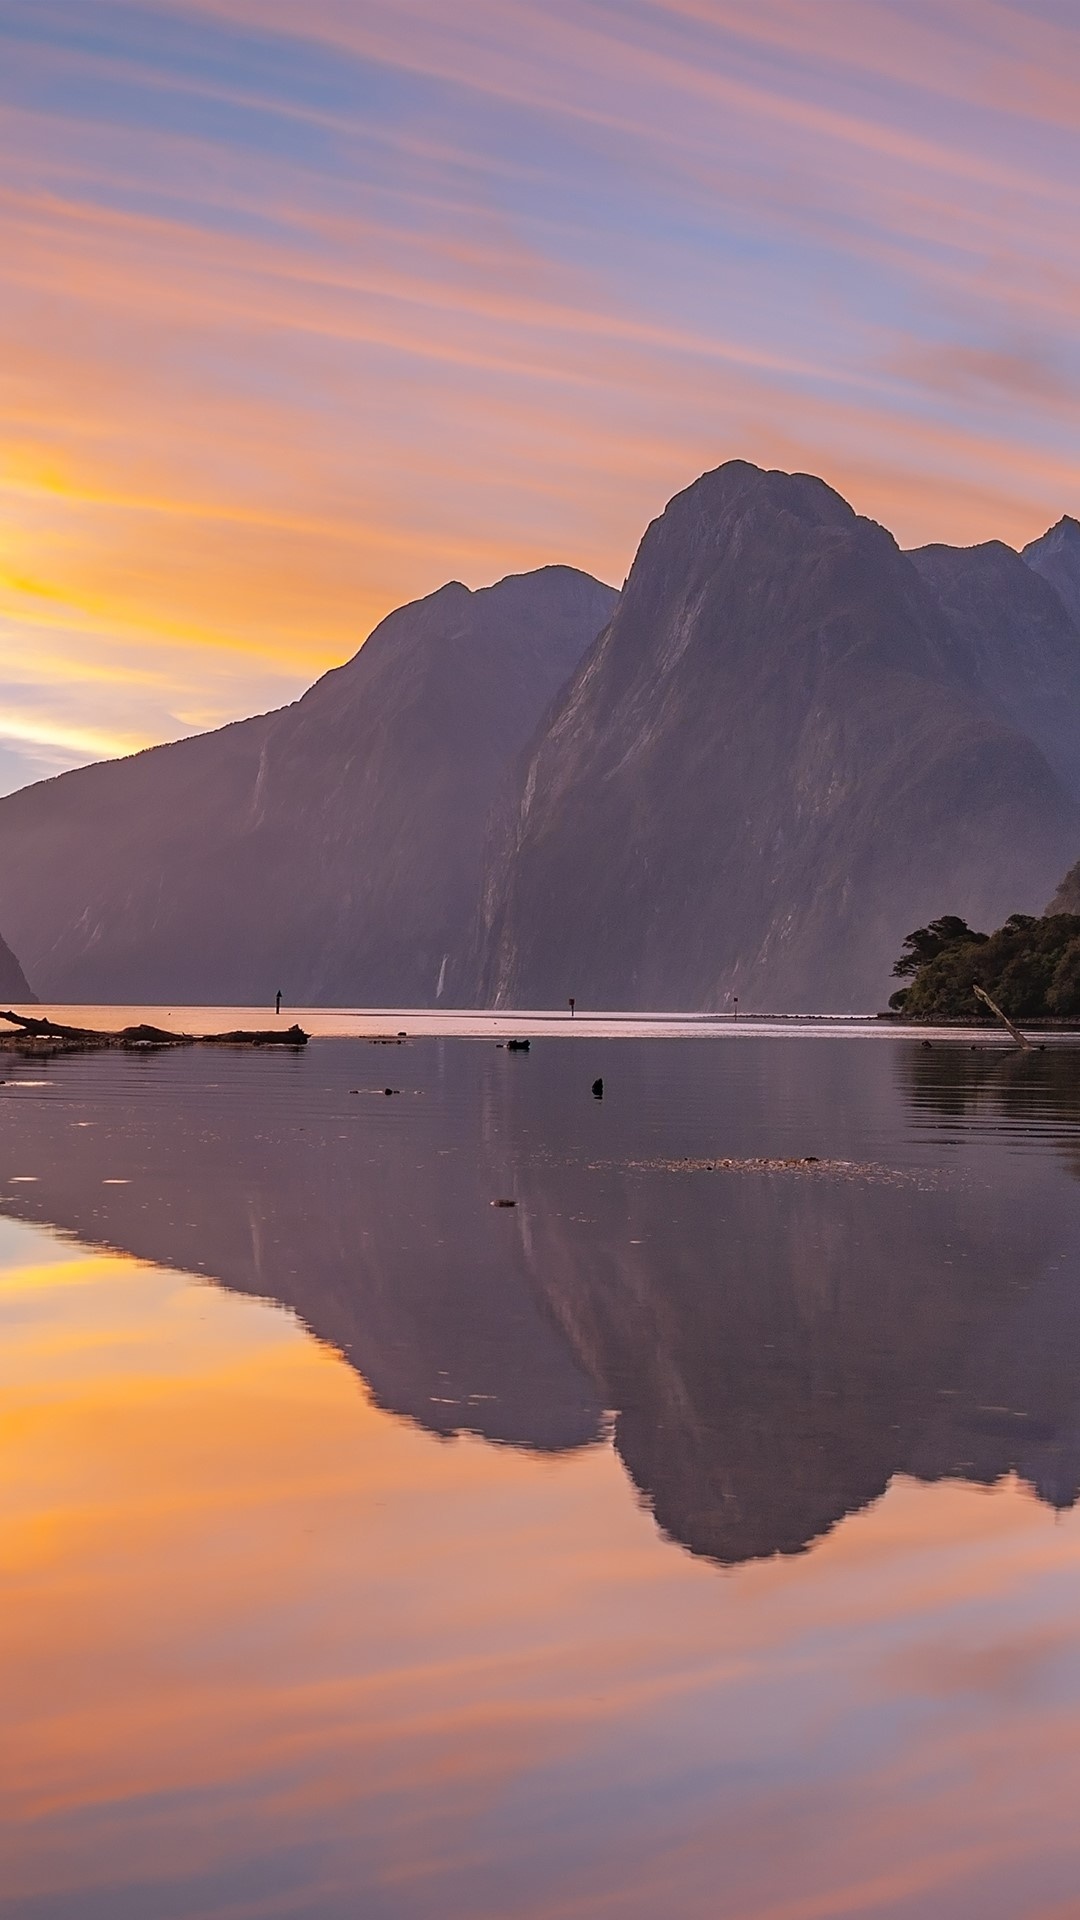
(1022, 646)
(1066, 896)
(331, 849)
(1056, 555)
(13, 982)
(774, 762)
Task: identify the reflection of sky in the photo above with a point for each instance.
(305, 310)
(268, 1651)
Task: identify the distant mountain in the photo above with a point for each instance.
(785, 746)
(1056, 555)
(331, 849)
(1021, 646)
(780, 756)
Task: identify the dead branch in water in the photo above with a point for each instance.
(1021, 1039)
(50, 1036)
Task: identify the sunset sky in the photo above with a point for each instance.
(307, 308)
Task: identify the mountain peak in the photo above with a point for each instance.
(738, 485)
(550, 585)
(1063, 535)
(737, 509)
(755, 781)
(1056, 555)
(334, 849)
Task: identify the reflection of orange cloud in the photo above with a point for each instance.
(248, 1616)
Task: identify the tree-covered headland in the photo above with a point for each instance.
(1030, 967)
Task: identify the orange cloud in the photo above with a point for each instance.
(276, 357)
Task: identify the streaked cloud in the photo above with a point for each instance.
(304, 311)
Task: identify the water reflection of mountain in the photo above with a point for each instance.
(776, 1347)
(799, 1342)
(282, 1184)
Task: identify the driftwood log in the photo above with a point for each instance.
(49, 1036)
(1021, 1039)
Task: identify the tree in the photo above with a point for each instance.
(1030, 966)
(926, 943)
(1063, 997)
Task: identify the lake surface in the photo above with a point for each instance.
(683, 1540)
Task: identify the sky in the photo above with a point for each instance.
(306, 309)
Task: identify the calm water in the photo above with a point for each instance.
(675, 1543)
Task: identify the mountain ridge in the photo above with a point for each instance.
(331, 847)
(772, 762)
(783, 745)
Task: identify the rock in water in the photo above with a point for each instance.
(336, 844)
(772, 764)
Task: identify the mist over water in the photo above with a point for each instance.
(369, 1548)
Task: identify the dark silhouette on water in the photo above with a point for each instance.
(277, 1002)
(50, 1036)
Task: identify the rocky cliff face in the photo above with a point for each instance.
(779, 757)
(1056, 556)
(332, 849)
(1066, 898)
(1021, 646)
(14, 985)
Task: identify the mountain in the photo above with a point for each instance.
(783, 747)
(1066, 898)
(1056, 555)
(777, 759)
(1022, 647)
(331, 849)
(13, 982)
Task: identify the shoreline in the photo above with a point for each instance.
(393, 1025)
